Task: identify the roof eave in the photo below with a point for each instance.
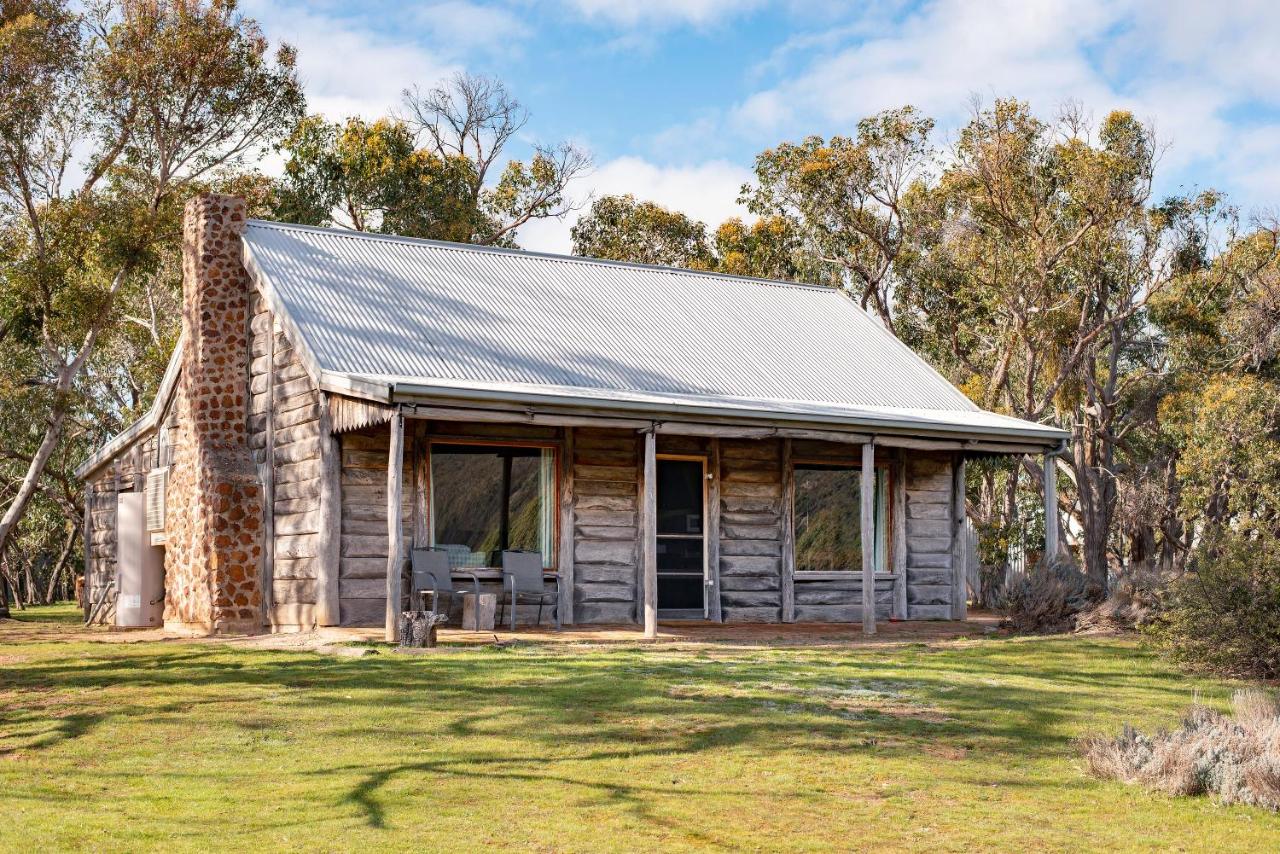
(143, 426)
(876, 423)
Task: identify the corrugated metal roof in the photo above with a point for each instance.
(444, 314)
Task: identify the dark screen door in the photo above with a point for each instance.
(680, 535)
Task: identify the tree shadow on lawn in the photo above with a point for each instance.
(566, 706)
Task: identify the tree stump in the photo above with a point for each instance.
(478, 611)
(418, 628)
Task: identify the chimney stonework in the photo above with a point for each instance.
(213, 527)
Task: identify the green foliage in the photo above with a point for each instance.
(428, 175)
(1223, 615)
(849, 198)
(620, 228)
(374, 177)
(156, 102)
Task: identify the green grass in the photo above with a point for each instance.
(950, 747)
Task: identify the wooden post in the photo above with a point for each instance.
(421, 491)
(566, 529)
(714, 612)
(868, 534)
(959, 543)
(395, 532)
(650, 528)
(328, 547)
(898, 524)
(788, 534)
(1050, 508)
(269, 481)
(88, 547)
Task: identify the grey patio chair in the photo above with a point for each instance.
(433, 577)
(523, 581)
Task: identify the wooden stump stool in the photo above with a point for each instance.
(418, 628)
(478, 611)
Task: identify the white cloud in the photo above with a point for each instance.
(346, 68)
(630, 13)
(1189, 71)
(705, 191)
(936, 58)
(458, 25)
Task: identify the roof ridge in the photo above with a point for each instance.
(348, 233)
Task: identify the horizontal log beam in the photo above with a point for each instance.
(503, 416)
(714, 430)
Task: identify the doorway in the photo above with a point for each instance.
(681, 538)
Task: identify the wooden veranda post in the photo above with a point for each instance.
(650, 528)
(788, 533)
(959, 543)
(566, 529)
(395, 532)
(898, 526)
(1050, 507)
(868, 535)
(328, 548)
(714, 612)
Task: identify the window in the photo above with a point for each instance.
(828, 518)
(485, 499)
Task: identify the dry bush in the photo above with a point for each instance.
(1046, 599)
(1235, 760)
(1133, 602)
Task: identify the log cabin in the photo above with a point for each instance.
(675, 444)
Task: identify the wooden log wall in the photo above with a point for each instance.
(928, 529)
(126, 473)
(362, 574)
(751, 519)
(100, 551)
(606, 556)
(840, 600)
(286, 401)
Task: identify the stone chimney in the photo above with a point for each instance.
(213, 527)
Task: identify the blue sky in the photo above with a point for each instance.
(675, 98)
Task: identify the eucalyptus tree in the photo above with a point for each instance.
(849, 198)
(621, 228)
(110, 114)
(1031, 282)
(430, 173)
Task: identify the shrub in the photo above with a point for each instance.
(1234, 761)
(1133, 603)
(1223, 616)
(1045, 599)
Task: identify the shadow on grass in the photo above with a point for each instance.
(561, 707)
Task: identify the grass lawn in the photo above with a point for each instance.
(954, 746)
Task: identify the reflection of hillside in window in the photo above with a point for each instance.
(828, 518)
(487, 499)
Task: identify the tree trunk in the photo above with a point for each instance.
(67, 375)
(58, 566)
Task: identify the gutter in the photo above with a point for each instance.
(412, 392)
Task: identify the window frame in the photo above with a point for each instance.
(557, 450)
(884, 533)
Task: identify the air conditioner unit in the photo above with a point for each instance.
(157, 480)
